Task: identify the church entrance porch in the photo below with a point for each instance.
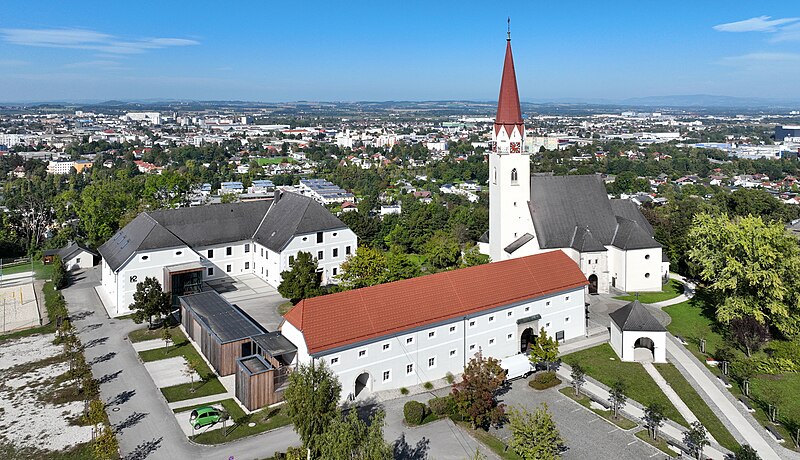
(644, 350)
(593, 284)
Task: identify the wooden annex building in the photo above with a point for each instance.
(234, 343)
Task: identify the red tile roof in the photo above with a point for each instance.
(349, 317)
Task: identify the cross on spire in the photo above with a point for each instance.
(509, 29)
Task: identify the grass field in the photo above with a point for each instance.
(602, 364)
(209, 385)
(41, 270)
(692, 319)
(265, 420)
(274, 160)
(698, 407)
(142, 335)
(670, 291)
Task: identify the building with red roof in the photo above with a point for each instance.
(418, 330)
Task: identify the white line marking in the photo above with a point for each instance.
(632, 442)
(576, 410)
(615, 429)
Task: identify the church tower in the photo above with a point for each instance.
(509, 168)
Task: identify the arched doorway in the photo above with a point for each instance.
(362, 383)
(592, 284)
(644, 349)
(525, 340)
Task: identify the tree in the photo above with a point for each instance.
(654, 418)
(301, 281)
(534, 436)
(474, 395)
(166, 336)
(750, 268)
(96, 415)
(190, 370)
(616, 396)
(544, 349)
(473, 257)
(746, 452)
(442, 250)
(312, 400)
(749, 333)
(578, 378)
(59, 273)
(105, 446)
(149, 301)
(348, 437)
(367, 267)
(696, 439)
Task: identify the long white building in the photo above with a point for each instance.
(184, 247)
(418, 330)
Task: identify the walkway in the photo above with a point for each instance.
(702, 381)
(671, 394)
(688, 292)
(632, 408)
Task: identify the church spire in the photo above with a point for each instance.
(509, 113)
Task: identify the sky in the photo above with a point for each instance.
(396, 50)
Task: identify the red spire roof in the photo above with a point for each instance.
(508, 111)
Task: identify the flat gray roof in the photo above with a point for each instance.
(224, 320)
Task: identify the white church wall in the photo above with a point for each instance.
(643, 270)
(616, 268)
(616, 339)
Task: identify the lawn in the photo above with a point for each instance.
(692, 319)
(659, 444)
(209, 384)
(145, 334)
(265, 420)
(491, 441)
(41, 270)
(274, 160)
(231, 407)
(585, 401)
(699, 407)
(670, 290)
(602, 364)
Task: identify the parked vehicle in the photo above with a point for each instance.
(204, 416)
(517, 366)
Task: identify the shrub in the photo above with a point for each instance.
(427, 386)
(544, 380)
(403, 391)
(414, 412)
(442, 406)
(450, 378)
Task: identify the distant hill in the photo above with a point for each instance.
(707, 100)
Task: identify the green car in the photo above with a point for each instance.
(204, 416)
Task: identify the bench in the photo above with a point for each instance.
(606, 405)
(681, 340)
(724, 381)
(774, 433)
(746, 405)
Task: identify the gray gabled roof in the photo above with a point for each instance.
(143, 232)
(72, 250)
(635, 317)
(630, 235)
(214, 224)
(291, 215)
(574, 211)
(518, 243)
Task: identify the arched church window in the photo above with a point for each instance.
(494, 176)
(514, 176)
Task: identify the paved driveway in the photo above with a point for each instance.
(254, 296)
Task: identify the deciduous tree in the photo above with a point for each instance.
(312, 400)
(300, 281)
(475, 394)
(349, 437)
(149, 301)
(696, 439)
(749, 333)
(544, 349)
(616, 396)
(654, 418)
(578, 378)
(534, 435)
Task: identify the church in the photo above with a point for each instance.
(609, 239)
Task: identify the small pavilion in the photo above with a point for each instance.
(636, 335)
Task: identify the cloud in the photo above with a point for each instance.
(12, 63)
(98, 64)
(757, 24)
(88, 40)
(765, 57)
(788, 33)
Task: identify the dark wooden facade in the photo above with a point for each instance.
(257, 385)
(222, 356)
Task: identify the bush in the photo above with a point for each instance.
(544, 380)
(403, 391)
(450, 378)
(443, 406)
(414, 412)
(427, 386)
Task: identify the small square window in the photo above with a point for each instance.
(319, 237)
(472, 323)
(262, 252)
(452, 352)
(334, 360)
(347, 250)
(431, 334)
(228, 268)
(547, 304)
(547, 325)
(335, 252)
(509, 336)
(410, 340)
(386, 346)
(210, 271)
(472, 347)
(566, 299)
(527, 309)
(247, 265)
(432, 362)
(247, 248)
(210, 253)
(228, 251)
(386, 375)
(409, 368)
(566, 320)
(509, 313)
(319, 255)
(491, 319)
(491, 341)
(452, 329)
(362, 353)
(335, 271)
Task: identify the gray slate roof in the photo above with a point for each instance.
(291, 215)
(224, 320)
(72, 250)
(635, 317)
(518, 243)
(561, 206)
(272, 224)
